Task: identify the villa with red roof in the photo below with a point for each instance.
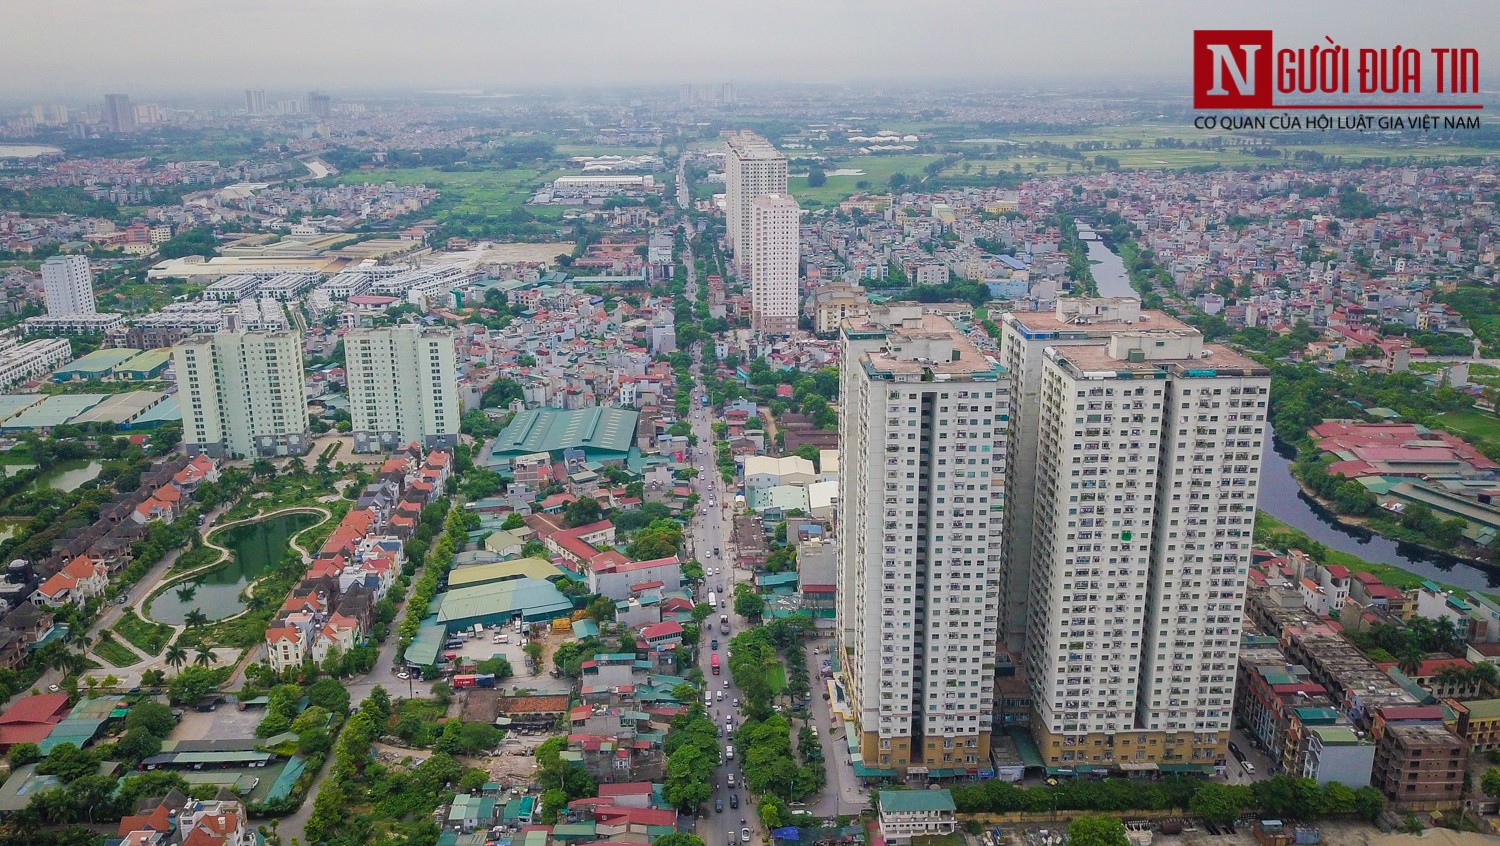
(31, 719)
(81, 579)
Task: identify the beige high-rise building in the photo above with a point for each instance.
(403, 387)
(1148, 446)
(243, 394)
(1024, 339)
(922, 501)
(775, 263)
(752, 167)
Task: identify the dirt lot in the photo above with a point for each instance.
(225, 723)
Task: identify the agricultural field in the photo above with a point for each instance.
(876, 170)
(1147, 156)
(470, 191)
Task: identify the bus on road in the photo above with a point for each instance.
(715, 663)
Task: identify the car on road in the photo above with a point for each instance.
(726, 686)
(736, 702)
(713, 643)
(729, 753)
(1235, 751)
(734, 800)
(718, 806)
(731, 779)
(744, 835)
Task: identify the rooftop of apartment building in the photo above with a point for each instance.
(1180, 352)
(1091, 315)
(748, 145)
(1422, 734)
(919, 344)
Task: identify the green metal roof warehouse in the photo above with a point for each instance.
(604, 433)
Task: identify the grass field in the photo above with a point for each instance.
(777, 679)
(877, 171)
(1147, 156)
(473, 192)
(150, 638)
(1472, 424)
(116, 654)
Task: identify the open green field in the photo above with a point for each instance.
(148, 637)
(116, 654)
(471, 191)
(1147, 156)
(877, 171)
(1471, 424)
(776, 679)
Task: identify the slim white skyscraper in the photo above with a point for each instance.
(243, 394)
(255, 101)
(403, 387)
(921, 503)
(775, 262)
(1148, 454)
(68, 285)
(752, 167)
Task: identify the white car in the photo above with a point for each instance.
(403, 676)
(736, 702)
(726, 687)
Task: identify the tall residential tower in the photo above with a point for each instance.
(921, 503)
(243, 394)
(403, 387)
(775, 262)
(752, 167)
(1148, 445)
(68, 285)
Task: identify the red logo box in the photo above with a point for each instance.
(1232, 69)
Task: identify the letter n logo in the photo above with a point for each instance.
(1232, 69)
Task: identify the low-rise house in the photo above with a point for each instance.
(905, 814)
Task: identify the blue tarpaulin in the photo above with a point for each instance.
(788, 833)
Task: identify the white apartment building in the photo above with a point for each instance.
(1149, 452)
(1024, 339)
(921, 504)
(752, 167)
(19, 363)
(243, 394)
(68, 285)
(775, 263)
(403, 387)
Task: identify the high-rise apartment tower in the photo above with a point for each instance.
(752, 167)
(403, 387)
(774, 263)
(243, 394)
(68, 285)
(1148, 445)
(921, 502)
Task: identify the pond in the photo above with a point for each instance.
(67, 475)
(253, 548)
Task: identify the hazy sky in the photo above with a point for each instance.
(85, 48)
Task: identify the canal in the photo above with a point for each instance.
(253, 547)
(1282, 498)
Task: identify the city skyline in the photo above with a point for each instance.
(72, 46)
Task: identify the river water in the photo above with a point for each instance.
(1282, 498)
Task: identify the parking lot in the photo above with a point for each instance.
(227, 722)
(483, 648)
